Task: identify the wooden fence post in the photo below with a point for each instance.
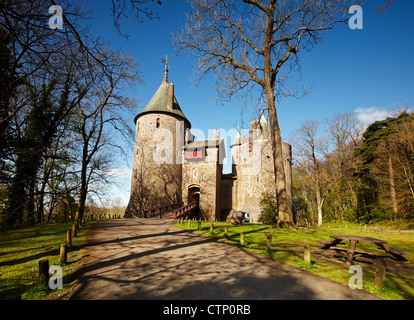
(74, 229)
(63, 253)
(68, 238)
(269, 242)
(199, 225)
(380, 273)
(189, 222)
(44, 270)
(307, 254)
(242, 238)
(211, 227)
(226, 232)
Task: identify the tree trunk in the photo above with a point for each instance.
(392, 187)
(408, 178)
(84, 184)
(319, 204)
(284, 210)
(82, 199)
(319, 198)
(30, 202)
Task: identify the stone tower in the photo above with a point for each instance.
(253, 169)
(161, 131)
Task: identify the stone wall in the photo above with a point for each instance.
(228, 194)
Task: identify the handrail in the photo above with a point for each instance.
(151, 212)
(187, 209)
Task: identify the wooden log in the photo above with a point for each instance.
(269, 242)
(69, 238)
(242, 241)
(380, 273)
(63, 253)
(307, 254)
(44, 270)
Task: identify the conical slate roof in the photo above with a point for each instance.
(159, 102)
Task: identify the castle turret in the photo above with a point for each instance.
(161, 129)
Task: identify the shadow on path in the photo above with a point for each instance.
(151, 259)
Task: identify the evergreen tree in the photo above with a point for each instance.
(369, 207)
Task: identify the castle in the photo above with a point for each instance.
(170, 166)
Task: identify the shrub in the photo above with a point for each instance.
(268, 206)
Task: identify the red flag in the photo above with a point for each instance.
(163, 61)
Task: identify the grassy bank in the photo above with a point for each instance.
(20, 252)
(288, 246)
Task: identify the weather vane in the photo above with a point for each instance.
(165, 61)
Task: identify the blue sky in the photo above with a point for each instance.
(367, 72)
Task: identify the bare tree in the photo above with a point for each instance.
(140, 9)
(307, 144)
(256, 44)
(100, 110)
(382, 9)
(328, 157)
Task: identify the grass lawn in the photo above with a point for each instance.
(20, 252)
(288, 245)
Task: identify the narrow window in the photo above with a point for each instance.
(158, 123)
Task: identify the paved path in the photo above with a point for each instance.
(151, 259)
